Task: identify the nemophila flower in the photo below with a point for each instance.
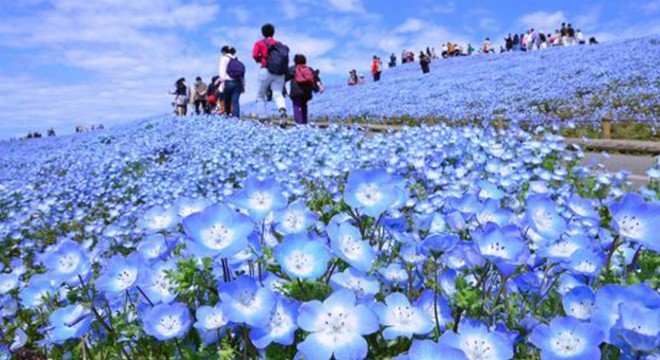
(467, 204)
(19, 340)
(477, 342)
(637, 220)
(362, 285)
(543, 217)
(158, 219)
(400, 318)
(69, 322)
(506, 250)
(336, 327)
(639, 326)
(567, 338)
(66, 261)
(8, 282)
(586, 262)
(167, 321)
(185, 207)
(568, 282)
(260, 197)
(489, 190)
(430, 350)
(347, 243)
(370, 192)
(247, 302)
(579, 302)
(440, 242)
(563, 250)
(156, 284)
(492, 212)
(437, 309)
(413, 253)
(209, 322)
(153, 247)
(462, 256)
(456, 221)
(294, 219)
(302, 258)
(581, 207)
(38, 287)
(217, 231)
(394, 273)
(281, 326)
(120, 273)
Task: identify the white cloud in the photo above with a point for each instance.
(348, 5)
(446, 8)
(652, 6)
(543, 21)
(410, 26)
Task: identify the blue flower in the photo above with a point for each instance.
(294, 219)
(567, 338)
(120, 273)
(156, 284)
(586, 262)
(440, 243)
(401, 319)
(185, 207)
(247, 302)
(362, 285)
(301, 258)
(489, 190)
(543, 217)
(371, 192)
(437, 310)
(67, 261)
(581, 207)
(430, 350)
(8, 282)
(281, 325)
(153, 247)
(638, 220)
(260, 197)
(167, 321)
(158, 219)
(476, 342)
(347, 243)
(492, 212)
(579, 302)
(218, 231)
(20, 339)
(209, 322)
(639, 326)
(506, 250)
(39, 287)
(69, 322)
(336, 327)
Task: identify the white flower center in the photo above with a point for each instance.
(293, 220)
(300, 262)
(68, 262)
(280, 322)
(168, 325)
(126, 278)
(350, 247)
(216, 320)
(629, 225)
(217, 237)
(563, 248)
(581, 309)
(567, 344)
(476, 348)
(261, 201)
(496, 249)
(369, 194)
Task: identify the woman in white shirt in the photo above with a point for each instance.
(231, 73)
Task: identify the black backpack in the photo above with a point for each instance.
(235, 69)
(278, 58)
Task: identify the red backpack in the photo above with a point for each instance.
(304, 75)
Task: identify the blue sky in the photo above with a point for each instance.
(69, 62)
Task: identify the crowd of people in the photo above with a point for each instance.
(222, 94)
(531, 40)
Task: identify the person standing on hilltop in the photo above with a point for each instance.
(200, 95)
(392, 60)
(181, 95)
(424, 62)
(376, 69)
(273, 58)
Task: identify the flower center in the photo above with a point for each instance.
(566, 343)
(261, 200)
(369, 194)
(168, 325)
(476, 348)
(218, 236)
(68, 262)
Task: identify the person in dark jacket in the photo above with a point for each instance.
(303, 82)
(424, 61)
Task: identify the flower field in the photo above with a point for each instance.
(209, 238)
(572, 88)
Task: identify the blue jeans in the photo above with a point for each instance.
(232, 94)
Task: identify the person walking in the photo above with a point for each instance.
(303, 81)
(200, 95)
(273, 59)
(232, 76)
(392, 60)
(212, 95)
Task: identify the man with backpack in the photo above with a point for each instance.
(232, 76)
(273, 57)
